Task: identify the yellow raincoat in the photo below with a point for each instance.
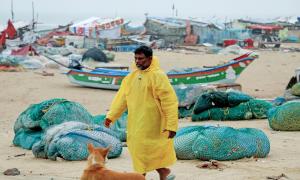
(152, 108)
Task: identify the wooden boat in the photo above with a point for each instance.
(111, 78)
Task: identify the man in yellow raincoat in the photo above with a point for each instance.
(152, 115)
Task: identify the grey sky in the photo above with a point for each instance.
(63, 11)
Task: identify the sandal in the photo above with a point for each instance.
(171, 177)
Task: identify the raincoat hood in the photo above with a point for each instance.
(153, 66)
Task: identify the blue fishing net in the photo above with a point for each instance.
(185, 137)
(119, 127)
(63, 112)
(220, 143)
(69, 140)
(37, 117)
(11, 60)
(285, 117)
(50, 112)
(26, 138)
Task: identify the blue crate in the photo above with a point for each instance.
(125, 48)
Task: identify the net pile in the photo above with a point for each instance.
(119, 127)
(285, 117)
(69, 140)
(220, 143)
(61, 128)
(229, 105)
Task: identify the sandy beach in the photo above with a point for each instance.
(266, 78)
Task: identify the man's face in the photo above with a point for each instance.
(142, 62)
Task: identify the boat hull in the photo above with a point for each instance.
(111, 79)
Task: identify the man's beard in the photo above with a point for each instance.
(140, 67)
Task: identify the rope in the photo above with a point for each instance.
(57, 102)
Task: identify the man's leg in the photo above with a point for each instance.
(163, 173)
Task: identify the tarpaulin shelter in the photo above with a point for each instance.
(98, 27)
(168, 29)
(45, 39)
(178, 31)
(24, 51)
(10, 30)
(265, 27)
(2, 38)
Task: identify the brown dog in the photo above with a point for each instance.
(96, 170)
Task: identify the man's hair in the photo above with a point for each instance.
(147, 51)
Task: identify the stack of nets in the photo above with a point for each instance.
(69, 141)
(187, 95)
(285, 117)
(30, 124)
(11, 60)
(11, 63)
(119, 127)
(220, 143)
(61, 128)
(229, 105)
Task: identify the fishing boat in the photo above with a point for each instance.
(106, 78)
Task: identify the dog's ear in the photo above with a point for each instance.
(106, 150)
(90, 147)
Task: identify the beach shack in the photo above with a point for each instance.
(96, 27)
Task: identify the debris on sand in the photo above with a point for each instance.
(212, 165)
(12, 172)
(278, 177)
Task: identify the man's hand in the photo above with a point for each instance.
(107, 122)
(171, 134)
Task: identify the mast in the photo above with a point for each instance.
(33, 15)
(173, 10)
(12, 10)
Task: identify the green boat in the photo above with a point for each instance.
(106, 78)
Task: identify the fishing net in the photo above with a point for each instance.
(220, 143)
(26, 138)
(31, 123)
(253, 109)
(278, 101)
(185, 137)
(285, 117)
(212, 99)
(119, 127)
(50, 112)
(185, 111)
(296, 89)
(11, 60)
(259, 108)
(69, 140)
(61, 128)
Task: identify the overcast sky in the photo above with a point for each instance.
(64, 11)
